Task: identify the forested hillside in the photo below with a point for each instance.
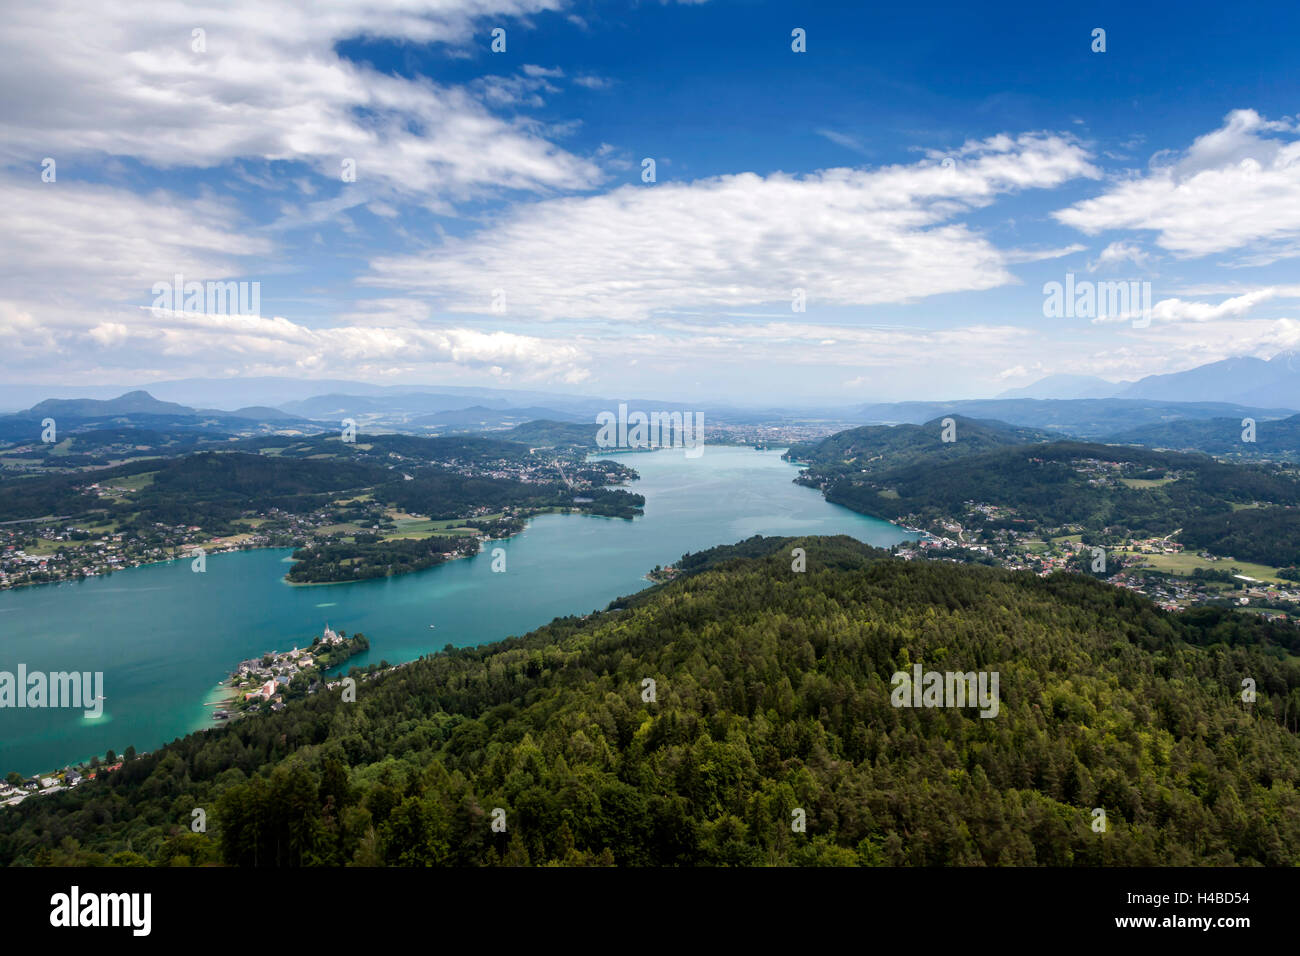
(1278, 440)
(212, 489)
(550, 434)
(1267, 535)
(875, 448)
(772, 696)
(1100, 488)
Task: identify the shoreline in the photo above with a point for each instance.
(454, 556)
(143, 564)
(206, 546)
(208, 703)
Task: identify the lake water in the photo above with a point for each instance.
(163, 635)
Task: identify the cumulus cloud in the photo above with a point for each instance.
(1234, 188)
(1175, 310)
(1118, 253)
(125, 79)
(846, 236)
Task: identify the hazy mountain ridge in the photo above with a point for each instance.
(1090, 418)
(1244, 380)
(1240, 380)
(137, 402)
(1278, 439)
(481, 415)
(143, 411)
(1066, 387)
(421, 409)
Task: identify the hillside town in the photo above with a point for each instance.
(69, 552)
(93, 544)
(1133, 564)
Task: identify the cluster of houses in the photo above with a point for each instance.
(272, 673)
(73, 552)
(11, 794)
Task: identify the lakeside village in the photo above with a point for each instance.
(1161, 569)
(1157, 568)
(279, 675)
(1023, 551)
(69, 548)
(62, 549)
(264, 682)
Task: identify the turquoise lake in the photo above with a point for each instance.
(163, 635)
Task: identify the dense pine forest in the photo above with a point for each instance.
(771, 697)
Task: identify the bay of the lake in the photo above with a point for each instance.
(164, 635)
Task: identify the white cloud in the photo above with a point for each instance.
(843, 139)
(67, 240)
(1234, 188)
(1040, 255)
(123, 79)
(394, 312)
(847, 236)
(1176, 310)
(1117, 253)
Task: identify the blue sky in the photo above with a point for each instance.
(919, 173)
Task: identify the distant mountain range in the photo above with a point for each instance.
(1210, 427)
(1234, 383)
(1063, 405)
(1238, 381)
(1067, 387)
(1092, 418)
(141, 410)
(1243, 381)
(479, 415)
(142, 403)
(132, 403)
(1278, 440)
(286, 392)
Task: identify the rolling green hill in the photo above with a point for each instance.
(552, 434)
(1277, 440)
(875, 448)
(1122, 491)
